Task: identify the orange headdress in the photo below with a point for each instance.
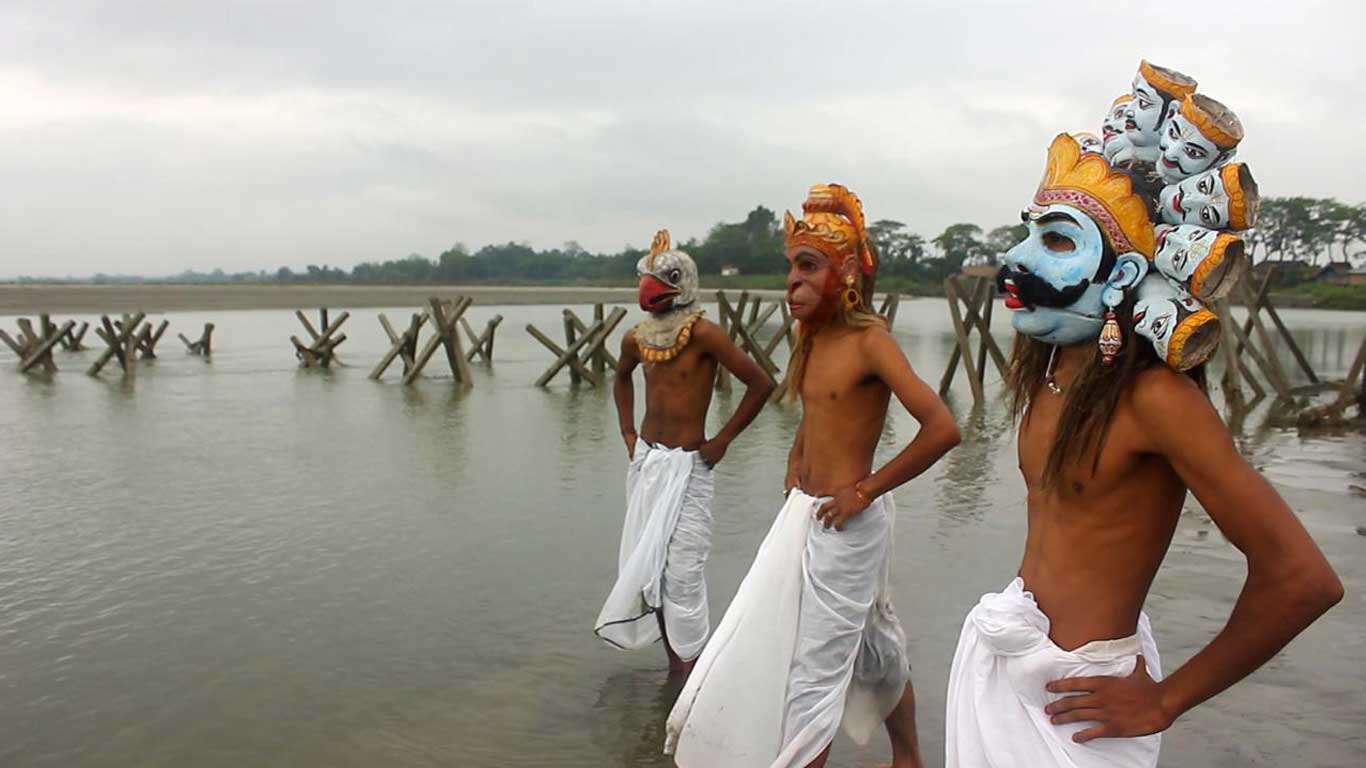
(1243, 197)
(1175, 84)
(1215, 121)
(1086, 181)
(832, 223)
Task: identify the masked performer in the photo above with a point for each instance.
(810, 641)
(667, 532)
(1107, 384)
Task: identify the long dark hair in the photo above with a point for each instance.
(1091, 398)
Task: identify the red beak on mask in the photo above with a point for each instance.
(656, 295)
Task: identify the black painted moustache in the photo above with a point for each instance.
(1033, 291)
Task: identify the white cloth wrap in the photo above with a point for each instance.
(810, 642)
(995, 712)
(664, 544)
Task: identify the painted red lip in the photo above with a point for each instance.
(1168, 163)
(1012, 300)
(1176, 203)
(1130, 125)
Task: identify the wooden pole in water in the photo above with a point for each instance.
(951, 289)
(599, 360)
(569, 335)
(609, 359)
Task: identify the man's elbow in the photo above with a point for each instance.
(1328, 591)
(760, 384)
(1318, 588)
(949, 435)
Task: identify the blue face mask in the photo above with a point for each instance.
(1053, 278)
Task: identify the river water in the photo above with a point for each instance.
(238, 562)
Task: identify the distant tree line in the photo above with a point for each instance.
(1291, 228)
(753, 247)
(1308, 229)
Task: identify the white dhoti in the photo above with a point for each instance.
(810, 642)
(995, 716)
(664, 544)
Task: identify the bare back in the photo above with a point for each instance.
(844, 406)
(1096, 541)
(677, 396)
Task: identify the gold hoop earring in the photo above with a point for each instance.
(851, 295)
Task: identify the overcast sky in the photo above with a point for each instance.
(155, 137)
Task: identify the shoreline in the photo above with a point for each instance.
(159, 298)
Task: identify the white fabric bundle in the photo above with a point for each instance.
(664, 544)
(995, 714)
(809, 642)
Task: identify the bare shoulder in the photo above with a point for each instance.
(879, 343)
(702, 328)
(628, 346)
(1173, 411)
(1161, 390)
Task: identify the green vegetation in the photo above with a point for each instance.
(1309, 229)
(1326, 296)
(1297, 233)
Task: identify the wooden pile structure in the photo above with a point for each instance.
(34, 347)
(587, 358)
(1255, 340)
(585, 351)
(481, 346)
(203, 346)
(322, 350)
(73, 338)
(145, 339)
(975, 314)
(744, 333)
(443, 317)
(121, 343)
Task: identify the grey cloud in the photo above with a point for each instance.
(154, 137)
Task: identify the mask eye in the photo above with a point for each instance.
(1205, 185)
(1208, 216)
(1058, 243)
(674, 275)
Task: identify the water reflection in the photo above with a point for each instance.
(321, 570)
(630, 714)
(969, 469)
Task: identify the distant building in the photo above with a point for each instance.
(1341, 273)
(1288, 272)
(729, 270)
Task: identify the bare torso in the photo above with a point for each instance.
(844, 406)
(677, 396)
(1096, 541)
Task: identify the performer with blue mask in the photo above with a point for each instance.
(1106, 382)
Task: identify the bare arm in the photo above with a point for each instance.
(938, 431)
(796, 456)
(757, 386)
(1289, 583)
(624, 391)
